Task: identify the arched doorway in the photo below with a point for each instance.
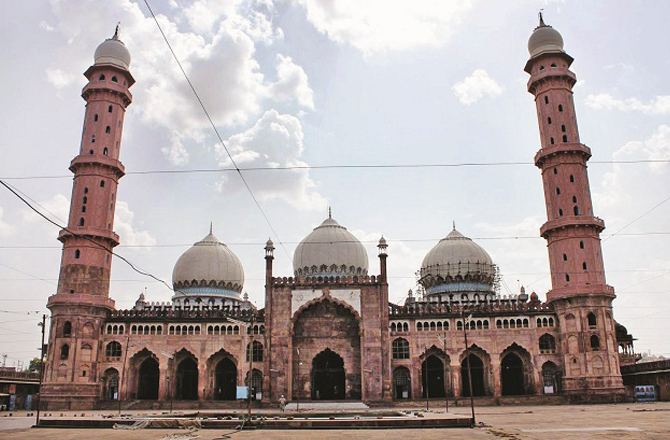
(225, 380)
(328, 376)
(512, 375)
(111, 384)
(256, 384)
(148, 378)
(477, 369)
(402, 388)
(187, 380)
(551, 378)
(432, 377)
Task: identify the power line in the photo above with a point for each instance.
(337, 167)
(216, 131)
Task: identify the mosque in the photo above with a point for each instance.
(328, 331)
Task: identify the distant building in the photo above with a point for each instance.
(329, 331)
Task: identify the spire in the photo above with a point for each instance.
(454, 224)
(330, 212)
(211, 228)
(116, 31)
(542, 24)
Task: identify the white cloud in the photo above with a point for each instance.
(123, 225)
(660, 105)
(275, 140)
(474, 87)
(292, 83)
(59, 78)
(57, 208)
(46, 26)
(5, 228)
(374, 26)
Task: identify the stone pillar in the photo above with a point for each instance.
(496, 380)
(203, 386)
(456, 379)
(166, 381)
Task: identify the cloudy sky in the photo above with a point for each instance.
(297, 83)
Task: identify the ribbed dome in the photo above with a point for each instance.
(208, 264)
(330, 250)
(113, 51)
(544, 39)
(457, 263)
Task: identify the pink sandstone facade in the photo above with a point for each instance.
(329, 332)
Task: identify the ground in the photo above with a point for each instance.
(622, 421)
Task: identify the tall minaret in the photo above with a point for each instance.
(580, 295)
(82, 301)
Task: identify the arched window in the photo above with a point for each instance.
(115, 79)
(574, 199)
(393, 327)
(591, 317)
(85, 191)
(555, 170)
(109, 109)
(560, 107)
(256, 351)
(558, 191)
(101, 78)
(565, 138)
(595, 342)
(553, 64)
(77, 254)
(576, 210)
(81, 221)
(102, 184)
(67, 329)
(547, 344)
(563, 128)
(419, 326)
(581, 245)
(113, 349)
(551, 141)
(65, 351)
(549, 120)
(565, 257)
(567, 277)
(400, 348)
(105, 151)
(95, 117)
(584, 266)
(93, 139)
(560, 213)
(546, 99)
(83, 208)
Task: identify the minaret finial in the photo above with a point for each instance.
(116, 31)
(211, 228)
(330, 212)
(453, 222)
(541, 19)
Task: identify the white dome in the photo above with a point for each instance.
(457, 263)
(544, 39)
(330, 250)
(208, 266)
(113, 51)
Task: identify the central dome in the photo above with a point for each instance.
(544, 39)
(113, 51)
(330, 250)
(457, 264)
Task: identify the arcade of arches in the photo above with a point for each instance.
(327, 346)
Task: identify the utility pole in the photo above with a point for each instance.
(250, 351)
(39, 387)
(123, 371)
(444, 373)
(467, 360)
(4, 360)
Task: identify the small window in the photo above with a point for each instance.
(95, 117)
(560, 107)
(565, 138)
(560, 213)
(553, 64)
(581, 245)
(101, 78)
(546, 99)
(67, 329)
(81, 221)
(591, 318)
(558, 191)
(567, 277)
(565, 257)
(65, 351)
(572, 178)
(93, 139)
(83, 373)
(102, 184)
(115, 79)
(84, 199)
(574, 199)
(108, 129)
(83, 208)
(109, 109)
(549, 121)
(105, 151)
(85, 191)
(551, 141)
(584, 266)
(555, 171)
(576, 210)
(541, 67)
(90, 151)
(563, 128)
(595, 342)
(400, 349)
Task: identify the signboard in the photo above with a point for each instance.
(29, 402)
(12, 402)
(242, 393)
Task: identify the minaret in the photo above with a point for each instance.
(82, 301)
(580, 295)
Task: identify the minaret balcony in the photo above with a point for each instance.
(547, 153)
(91, 232)
(95, 160)
(571, 222)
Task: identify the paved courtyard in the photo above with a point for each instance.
(623, 421)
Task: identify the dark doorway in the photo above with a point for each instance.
(401, 383)
(432, 377)
(551, 378)
(511, 372)
(111, 384)
(147, 387)
(225, 380)
(187, 380)
(256, 384)
(477, 368)
(328, 376)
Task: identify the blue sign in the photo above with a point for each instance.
(29, 402)
(12, 402)
(242, 392)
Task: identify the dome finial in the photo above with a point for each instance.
(330, 212)
(116, 31)
(541, 18)
(211, 228)
(454, 224)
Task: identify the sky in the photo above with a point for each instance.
(321, 83)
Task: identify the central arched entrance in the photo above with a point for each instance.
(511, 374)
(225, 380)
(432, 377)
(111, 384)
(477, 369)
(187, 380)
(149, 376)
(328, 376)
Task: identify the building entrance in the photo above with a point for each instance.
(511, 371)
(432, 377)
(477, 369)
(187, 380)
(147, 387)
(225, 380)
(328, 376)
